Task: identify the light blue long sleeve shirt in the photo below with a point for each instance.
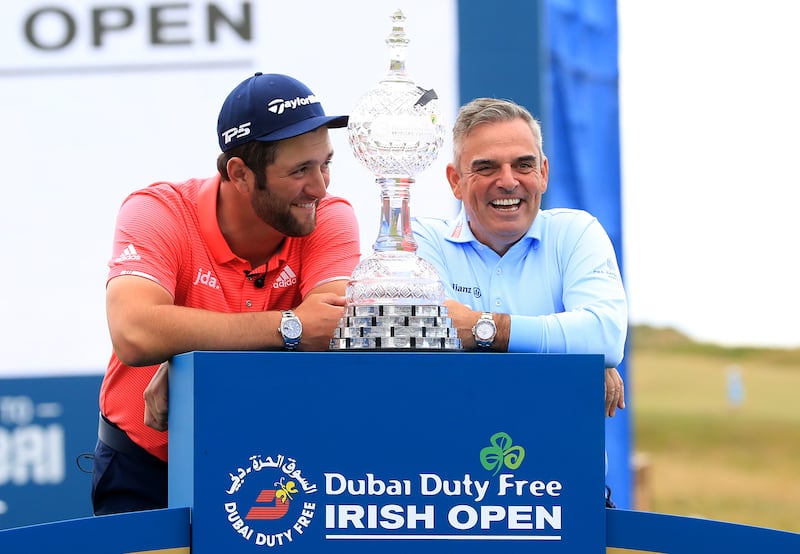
(560, 282)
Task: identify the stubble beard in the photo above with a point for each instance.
(277, 213)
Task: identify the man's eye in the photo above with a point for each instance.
(484, 170)
(525, 167)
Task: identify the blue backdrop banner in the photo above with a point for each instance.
(46, 424)
(559, 58)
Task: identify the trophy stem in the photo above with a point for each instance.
(395, 227)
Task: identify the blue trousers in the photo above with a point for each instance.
(127, 481)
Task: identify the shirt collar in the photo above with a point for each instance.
(212, 234)
(459, 230)
(209, 224)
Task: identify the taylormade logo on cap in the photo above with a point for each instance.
(278, 105)
(269, 107)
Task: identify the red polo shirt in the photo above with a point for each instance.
(168, 233)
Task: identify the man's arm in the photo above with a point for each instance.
(319, 313)
(147, 328)
(593, 318)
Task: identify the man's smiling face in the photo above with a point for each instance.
(501, 179)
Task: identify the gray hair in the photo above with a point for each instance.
(490, 110)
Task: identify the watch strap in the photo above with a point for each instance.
(290, 343)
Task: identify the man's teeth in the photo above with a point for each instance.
(506, 202)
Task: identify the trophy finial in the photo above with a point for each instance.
(397, 42)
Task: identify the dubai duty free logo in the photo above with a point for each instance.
(268, 501)
(441, 506)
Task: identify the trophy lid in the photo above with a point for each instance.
(397, 42)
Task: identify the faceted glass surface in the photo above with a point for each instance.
(391, 133)
(394, 278)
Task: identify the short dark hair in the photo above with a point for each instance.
(256, 155)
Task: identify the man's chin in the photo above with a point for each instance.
(303, 230)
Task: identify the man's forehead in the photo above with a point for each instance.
(312, 145)
(493, 137)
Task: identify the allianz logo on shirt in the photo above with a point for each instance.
(475, 291)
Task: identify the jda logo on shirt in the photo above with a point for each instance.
(205, 278)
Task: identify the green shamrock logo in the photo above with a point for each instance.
(501, 453)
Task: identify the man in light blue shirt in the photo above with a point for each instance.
(518, 278)
(559, 282)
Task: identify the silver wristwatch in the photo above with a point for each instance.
(291, 329)
(484, 330)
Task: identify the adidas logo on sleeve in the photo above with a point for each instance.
(128, 254)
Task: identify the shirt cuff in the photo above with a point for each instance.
(526, 334)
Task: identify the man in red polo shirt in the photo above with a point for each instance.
(254, 258)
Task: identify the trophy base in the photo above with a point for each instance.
(404, 327)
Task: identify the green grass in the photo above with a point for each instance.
(706, 458)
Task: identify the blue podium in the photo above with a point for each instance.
(390, 451)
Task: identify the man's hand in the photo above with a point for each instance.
(464, 318)
(156, 399)
(615, 392)
(320, 314)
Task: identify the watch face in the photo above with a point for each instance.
(484, 330)
(292, 328)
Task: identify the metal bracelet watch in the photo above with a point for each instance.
(291, 329)
(484, 330)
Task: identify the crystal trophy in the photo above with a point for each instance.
(394, 298)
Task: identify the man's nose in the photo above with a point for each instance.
(507, 178)
(317, 184)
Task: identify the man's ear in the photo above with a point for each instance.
(240, 175)
(454, 178)
(545, 172)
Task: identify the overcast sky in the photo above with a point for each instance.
(710, 117)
